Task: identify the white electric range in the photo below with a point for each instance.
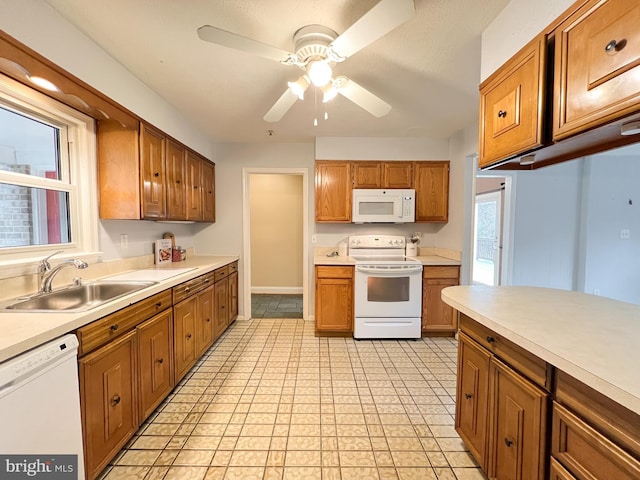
(387, 288)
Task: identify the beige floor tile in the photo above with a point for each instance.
(200, 442)
(138, 457)
(460, 459)
(416, 473)
(410, 459)
(253, 443)
(244, 473)
(248, 458)
(156, 473)
(127, 473)
(186, 473)
(150, 442)
(306, 473)
(304, 443)
(354, 443)
(294, 458)
(383, 459)
(194, 457)
(359, 473)
(404, 443)
(357, 459)
(469, 474)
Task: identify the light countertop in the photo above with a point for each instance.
(21, 331)
(427, 260)
(594, 339)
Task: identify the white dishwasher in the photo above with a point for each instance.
(40, 411)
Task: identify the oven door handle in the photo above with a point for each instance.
(389, 271)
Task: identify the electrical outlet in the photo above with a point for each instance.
(124, 240)
(596, 291)
(625, 234)
(314, 239)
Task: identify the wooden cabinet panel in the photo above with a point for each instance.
(221, 320)
(334, 300)
(518, 419)
(437, 316)
(208, 191)
(176, 182)
(597, 63)
(233, 296)
(397, 175)
(155, 360)
(205, 320)
(511, 105)
(432, 191)
(558, 472)
(184, 336)
(367, 174)
(473, 397)
(152, 173)
(194, 187)
(108, 387)
(586, 453)
(333, 191)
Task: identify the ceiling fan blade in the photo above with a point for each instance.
(244, 44)
(377, 22)
(362, 97)
(282, 106)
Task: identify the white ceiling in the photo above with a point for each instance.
(428, 69)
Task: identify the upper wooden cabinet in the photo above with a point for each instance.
(382, 174)
(333, 191)
(597, 66)
(432, 191)
(512, 105)
(143, 174)
(336, 179)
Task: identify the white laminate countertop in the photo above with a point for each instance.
(594, 339)
(427, 260)
(21, 331)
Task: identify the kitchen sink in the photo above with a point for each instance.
(77, 298)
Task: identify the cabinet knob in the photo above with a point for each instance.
(114, 327)
(160, 361)
(178, 181)
(491, 339)
(188, 336)
(508, 442)
(115, 400)
(195, 187)
(615, 46)
(156, 174)
(208, 319)
(502, 114)
(158, 305)
(187, 289)
(468, 396)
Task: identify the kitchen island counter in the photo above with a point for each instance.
(593, 339)
(21, 331)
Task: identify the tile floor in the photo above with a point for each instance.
(271, 401)
(276, 306)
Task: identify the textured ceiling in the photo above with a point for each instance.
(428, 68)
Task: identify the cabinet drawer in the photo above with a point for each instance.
(182, 291)
(220, 273)
(107, 328)
(587, 453)
(233, 267)
(598, 62)
(440, 272)
(334, 272)
(148, 307)
(526, 363)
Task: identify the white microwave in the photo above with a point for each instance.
(383, 205)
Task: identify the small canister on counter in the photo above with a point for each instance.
(183, 254)
(176, 254)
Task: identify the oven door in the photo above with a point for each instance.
(388, 291)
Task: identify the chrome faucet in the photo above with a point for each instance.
(46, 273)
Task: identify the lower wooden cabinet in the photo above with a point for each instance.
(155, 354)
(334, 300)
(108, 400)
(221, 289)
(233, 297)
(184, 335)
(204, 320)
(438, 318)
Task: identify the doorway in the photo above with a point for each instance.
(275, 245)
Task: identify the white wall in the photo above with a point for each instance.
(518, 23)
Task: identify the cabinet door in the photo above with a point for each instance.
(432, 191)
(208, 192)
(108, 386)
(204, 319)
(194, 187)
(152, 173)
(597, 65)
(367, 174)
(176, 182)
(511, 105)
(473, 397)
(437, 316)
(221, 289)
(397, 175)
(333, 192)
(518, 420)
(233, 296)
(334, 299)
(184, 336)
(155, 360)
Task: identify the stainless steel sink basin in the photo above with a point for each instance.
(77, 298)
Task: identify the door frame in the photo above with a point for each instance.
(482, 198)
(246, 232)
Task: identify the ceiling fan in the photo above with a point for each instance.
(317, 49)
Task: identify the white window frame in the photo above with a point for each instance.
(78, 178)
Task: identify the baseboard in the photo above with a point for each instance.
(277, 290)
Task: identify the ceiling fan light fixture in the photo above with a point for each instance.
(299, 86)
(329, 92)
(320, 73)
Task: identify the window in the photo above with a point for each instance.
(47, 178)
